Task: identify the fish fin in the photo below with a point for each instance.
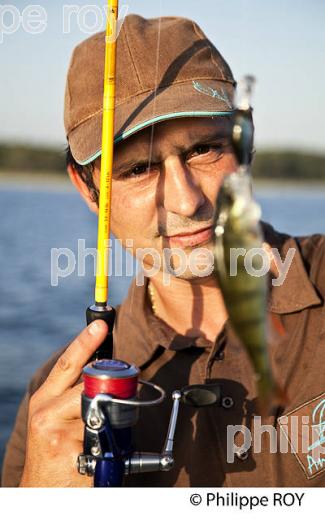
(277, 324)
(276, 330)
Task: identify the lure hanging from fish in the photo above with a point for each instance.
(238, 235)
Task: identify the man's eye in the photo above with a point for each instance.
(206, 150)
(201, 150)
(139, 169)
(136, 171)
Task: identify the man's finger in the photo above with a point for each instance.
(68, 367)
(66, 407)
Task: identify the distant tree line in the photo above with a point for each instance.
(289, 165)
(273, 164)
(25, 158)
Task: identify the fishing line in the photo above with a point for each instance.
(153, 112)
(156, 85)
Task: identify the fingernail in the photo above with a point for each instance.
(94, 328)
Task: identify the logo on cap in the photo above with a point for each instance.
(212, 92)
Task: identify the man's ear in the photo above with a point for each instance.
(82, 188)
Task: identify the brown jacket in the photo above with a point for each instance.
(174, 361)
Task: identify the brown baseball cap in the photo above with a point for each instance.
(166, 69)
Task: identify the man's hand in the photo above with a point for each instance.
(55, 427)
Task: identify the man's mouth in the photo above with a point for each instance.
(190, 238)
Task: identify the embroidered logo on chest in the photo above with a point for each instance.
(304, 428)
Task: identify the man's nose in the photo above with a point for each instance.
(181, 192)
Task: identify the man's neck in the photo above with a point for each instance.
(191, 307)
(194, 307)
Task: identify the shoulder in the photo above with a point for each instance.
(312, 249)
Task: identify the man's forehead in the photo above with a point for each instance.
(169, 137)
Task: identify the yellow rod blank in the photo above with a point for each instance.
(104, 215)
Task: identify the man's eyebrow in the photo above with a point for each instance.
(219, 134)
(202, 139)
(124, 166)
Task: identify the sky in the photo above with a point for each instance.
(280, 42)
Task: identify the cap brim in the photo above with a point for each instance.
(199, 98)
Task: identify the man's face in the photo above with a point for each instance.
(165, 183)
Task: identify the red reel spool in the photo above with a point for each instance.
(110, 376)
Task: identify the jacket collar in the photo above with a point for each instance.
(139, 333)
(297, 291)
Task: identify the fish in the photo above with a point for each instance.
(237, 225)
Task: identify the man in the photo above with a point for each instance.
(174, 102)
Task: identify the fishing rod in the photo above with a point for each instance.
(101, 309)
(109, 402)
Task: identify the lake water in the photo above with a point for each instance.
(36, 318)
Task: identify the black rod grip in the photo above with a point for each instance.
(106, 313)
